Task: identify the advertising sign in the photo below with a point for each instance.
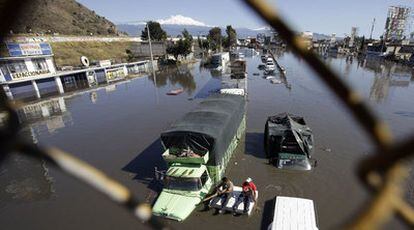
(115, 74)
(105, 63)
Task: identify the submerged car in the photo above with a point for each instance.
(270, 66)
(288, 142)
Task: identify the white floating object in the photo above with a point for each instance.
(232, 91)
(293, 213)
(275, 81)
(216, 202)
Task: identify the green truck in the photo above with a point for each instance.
(198, 148)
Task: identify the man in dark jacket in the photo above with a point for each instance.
(224, 189)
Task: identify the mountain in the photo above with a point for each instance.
(181, 20)
(175, 24)
(63, 17)
(174, 30)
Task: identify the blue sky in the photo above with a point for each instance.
(322, 16)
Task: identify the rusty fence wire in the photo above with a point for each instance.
(383, 173)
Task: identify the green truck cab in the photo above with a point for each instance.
(198, 148)
(185, 186)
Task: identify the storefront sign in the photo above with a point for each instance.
(17, 76)
(28, 49)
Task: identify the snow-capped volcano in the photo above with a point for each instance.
(262, 28)
(180, 20)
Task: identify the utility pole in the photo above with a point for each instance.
(152, 65)
(149, 41)
(372, 28)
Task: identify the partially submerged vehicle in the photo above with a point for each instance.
(217, 202)
(270, 66)
(288, 142)
(219, 60)
(261, 66)
(198, 148)
(264, 57)
(238, 69)
(275, 81)
(294, 213)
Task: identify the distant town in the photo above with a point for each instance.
(33, 64)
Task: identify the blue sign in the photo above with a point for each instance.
(14, 49)
(28, 49)
(46, 48)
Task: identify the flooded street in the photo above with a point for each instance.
(117, 128)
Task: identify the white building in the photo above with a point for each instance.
(26, 63)
(29, 72)
(396, 22)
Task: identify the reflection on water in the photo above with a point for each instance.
(23, 179)
(386, 75)
(93, 97)
(176, 75)
(50, 114)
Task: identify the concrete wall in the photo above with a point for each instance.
(51, 39)
(143, 49)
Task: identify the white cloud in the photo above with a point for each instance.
(180, 20)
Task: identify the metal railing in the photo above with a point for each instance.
(383, 173)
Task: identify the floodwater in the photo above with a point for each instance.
(117, 128)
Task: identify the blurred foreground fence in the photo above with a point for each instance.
(383, 173)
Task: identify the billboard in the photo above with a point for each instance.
(28, 49)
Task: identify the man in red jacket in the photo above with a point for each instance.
(248, 194)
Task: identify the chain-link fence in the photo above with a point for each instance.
(383, 173)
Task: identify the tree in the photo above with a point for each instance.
(181, 47)
(231, 39)
(187, 43)
(203, 43)
(174, 50)
(214, 37)
(156, 32)
(200, 43)
(187, 36)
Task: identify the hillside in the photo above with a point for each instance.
(63, 17)
(69, 53)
